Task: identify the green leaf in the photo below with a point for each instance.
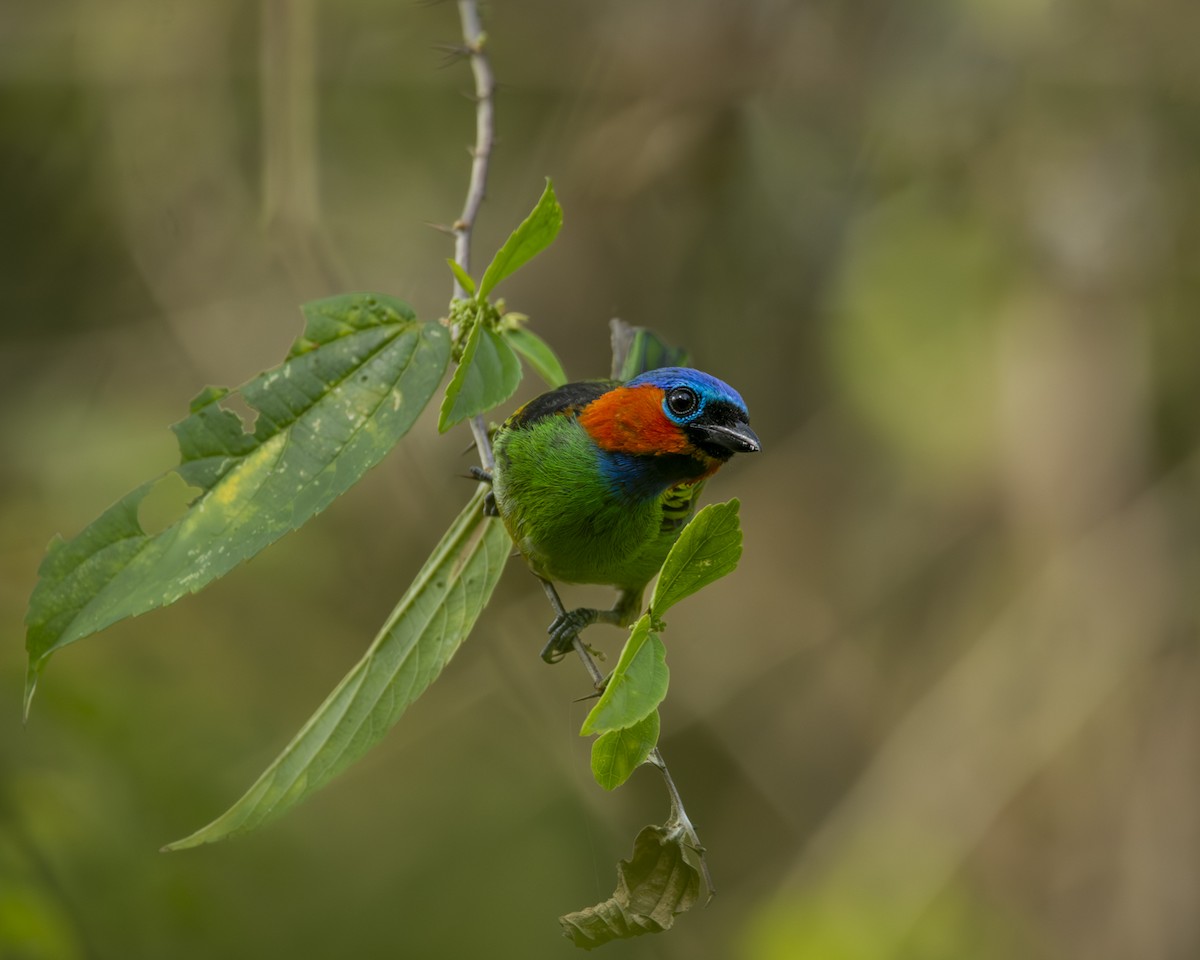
(654, 886)
(637, 685)
(534, 235)
(534, 349)
(617, 753)
(461, 275)
(350, 388)
(638, 349)
(419, 638)
(709, 547)
(488, 374)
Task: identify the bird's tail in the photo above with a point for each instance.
(638, 349)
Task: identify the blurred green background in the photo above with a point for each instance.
(948, 706)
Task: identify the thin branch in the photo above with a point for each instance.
(485, 133)
(679, 817)
(481, 155)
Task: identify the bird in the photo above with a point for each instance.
(595, 480)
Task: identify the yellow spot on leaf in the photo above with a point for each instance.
(240, 484)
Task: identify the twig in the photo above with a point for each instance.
(474, 40)
(679, 817)
(481, 154)
(485, 133)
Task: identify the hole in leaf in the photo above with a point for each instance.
(234, 402)
(166, 502)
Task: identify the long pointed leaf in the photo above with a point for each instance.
(535, 233)
(348, 391)
(539, 354)
(416, 642)
(638, 349)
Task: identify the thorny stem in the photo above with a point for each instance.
(481, 154)
(485, 132)
(474, 40)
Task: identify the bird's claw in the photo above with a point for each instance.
(489, 501)
(563, 631)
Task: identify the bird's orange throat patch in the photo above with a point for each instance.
(631, 420)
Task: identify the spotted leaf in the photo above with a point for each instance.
(350, 388)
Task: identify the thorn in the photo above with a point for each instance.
(477, 97)
(440, 228)
(452, 51)
(590, 696)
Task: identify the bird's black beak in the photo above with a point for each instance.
(734, 437)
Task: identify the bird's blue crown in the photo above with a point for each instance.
(707, 387)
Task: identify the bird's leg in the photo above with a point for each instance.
(489, 502)
(568, 624)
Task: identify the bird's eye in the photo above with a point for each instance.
(681, 401)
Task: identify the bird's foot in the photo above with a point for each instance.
(563, 631)
(489, 501)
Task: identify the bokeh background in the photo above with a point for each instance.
(949, 704)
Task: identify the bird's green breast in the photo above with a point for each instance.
(567, 517)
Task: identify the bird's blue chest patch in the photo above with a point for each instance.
(638, 477)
